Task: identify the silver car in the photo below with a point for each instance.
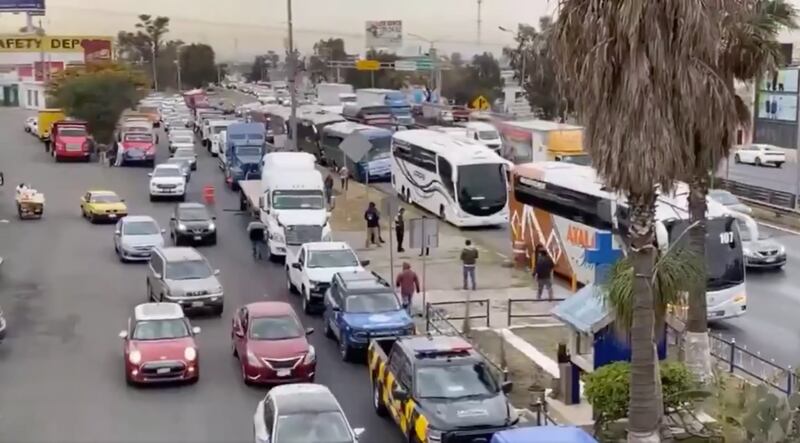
(135, 237)
(187, 154)
(183, 275)
(764, 252)
(730, 201)
(185, 165)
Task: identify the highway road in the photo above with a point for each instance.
(770, 326)
(770, 177)
(66, 297)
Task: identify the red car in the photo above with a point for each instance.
(160, 346)
(70, 140)
(271, 345)
(461, 113)
(138, 147)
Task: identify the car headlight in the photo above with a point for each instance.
(135, 357)
(190, 354)
(277, 236)
(311, 356)
(434, 435)
(781, 250)
(212, 226)
(747, 251)
(252, 360)
(181, 227)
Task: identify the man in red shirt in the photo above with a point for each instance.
(408, 283)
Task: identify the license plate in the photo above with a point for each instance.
(162, 371)
(112, 215)
(198, 237)
(197, 304)
(770, 260)
(284, 372)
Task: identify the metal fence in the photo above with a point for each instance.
(774, 197)
(512, 302)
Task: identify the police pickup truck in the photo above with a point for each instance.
(438, 389)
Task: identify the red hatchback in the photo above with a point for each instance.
(271, 345)
(160, 346)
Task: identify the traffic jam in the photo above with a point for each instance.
(433, 388)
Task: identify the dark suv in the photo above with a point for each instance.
(191, 224)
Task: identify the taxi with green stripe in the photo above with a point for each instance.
(438, 389)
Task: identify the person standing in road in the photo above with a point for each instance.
(344, 177)
(329, 188)
(400, 228)
(373, 219)
(408, 283)
(424, 250)
(543, 272)
(256, 232)
(469, 258)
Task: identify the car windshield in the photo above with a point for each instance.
(167, 172)
(332, 259)
(371, 303)
(482, 188)
(218, 129)
(140, 228)
(72, 132)
(183, 162)
(160, 329)
(298, 200)
(455, 381)
(313, 427)
(139, 138)
(188, 270)
(184, 153)
(488, 135)
(105, 198)
(725, 198)
(193, 214)
(282, 327)
(182, 139)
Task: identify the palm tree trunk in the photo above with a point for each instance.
(646, 405)
(698, 352)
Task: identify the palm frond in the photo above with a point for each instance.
(675, 274)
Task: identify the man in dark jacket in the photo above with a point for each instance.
(543, 272)
(469, 258)
(328, 188)
(400, 228)
(373, 218)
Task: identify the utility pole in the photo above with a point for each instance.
(480, 21)
(178, 65)
(292, 78)
(153, 60)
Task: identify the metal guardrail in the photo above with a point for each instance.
(774, 199)
(510, 315)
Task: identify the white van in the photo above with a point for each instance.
(485, 134)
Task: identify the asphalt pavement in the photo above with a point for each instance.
(770, 177)
(66, 297)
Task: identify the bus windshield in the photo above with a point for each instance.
(482, 188)
(724, 260)
(380, 148)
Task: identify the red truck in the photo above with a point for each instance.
(71, 140)
(196, 98)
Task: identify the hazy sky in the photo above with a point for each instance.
(253, 26)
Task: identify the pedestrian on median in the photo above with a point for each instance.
(373, 219)
(329, 188)
(469, 258)
(344, 177)
(255, 230)
(408, 283)
(400, 228)
(543, 272)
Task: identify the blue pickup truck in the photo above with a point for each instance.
(360, 306)
(244, 148)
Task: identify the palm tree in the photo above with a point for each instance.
(627, 66)
(749, 49)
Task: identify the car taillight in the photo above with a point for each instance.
(86, 145)
(60, 146)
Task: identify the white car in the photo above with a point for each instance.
(759, 155)
(311, 271)
(180, 141)
(167, 180)
(306, 412)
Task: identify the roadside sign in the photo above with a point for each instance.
(423, 232)
(368, 65)
(405, 65)
(390, 205)
(424, 64)
(355, 146)
(480, 103)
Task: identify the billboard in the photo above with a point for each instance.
(34, 6)
(780, 107)
(50, 67)
(785, 80)
(95, 48)
(384, 34)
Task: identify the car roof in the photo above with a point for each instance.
(138, 218)
(269, 308)
(303, 397)
(362, 282)
(175, 253)
(101, 192)
(327, 246)
(166, 165)
(157, 311)
(191, 205)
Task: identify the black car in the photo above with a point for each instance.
(191, 223)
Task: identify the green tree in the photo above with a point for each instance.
(148, 45)
(750, 48)
(630, 69)
(198, 67)
(326, 51)
(99, 97)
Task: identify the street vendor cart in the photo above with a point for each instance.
(30, 203)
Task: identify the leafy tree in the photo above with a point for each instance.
(273, 59)
(457, 60)
(635, 95)
(464, 83)
(148, 45)
(58, 79)
(99, 97)
(750, 48)
(198, 67)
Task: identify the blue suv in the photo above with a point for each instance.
(360, 306)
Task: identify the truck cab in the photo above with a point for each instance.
(214, 129)
(244, 149)
(137, 147)
(438, 389)
(45, 122)
(70, 140)
(312, 269)
(485, 134)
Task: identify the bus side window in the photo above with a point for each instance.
(446, 174)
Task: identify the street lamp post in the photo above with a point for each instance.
(155, 71)
(292, 78)
(523, 55)
(178, 66)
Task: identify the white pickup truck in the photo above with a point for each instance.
(310, 271)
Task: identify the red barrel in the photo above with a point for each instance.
(520, 251)
(208, 194)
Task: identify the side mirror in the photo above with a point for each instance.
(365, 262)
(399, 393)
(296, 265)
(507, 386)
(358, 432)
(196, 330)
(216, 271)
(117, 232)
(149, 174)
(309, 331)
(336, 308)
(237, 331)
(213, 218)
(122, 200)
(157, 275)
(123, 334)
(172, 218)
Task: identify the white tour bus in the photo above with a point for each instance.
(461, 181)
